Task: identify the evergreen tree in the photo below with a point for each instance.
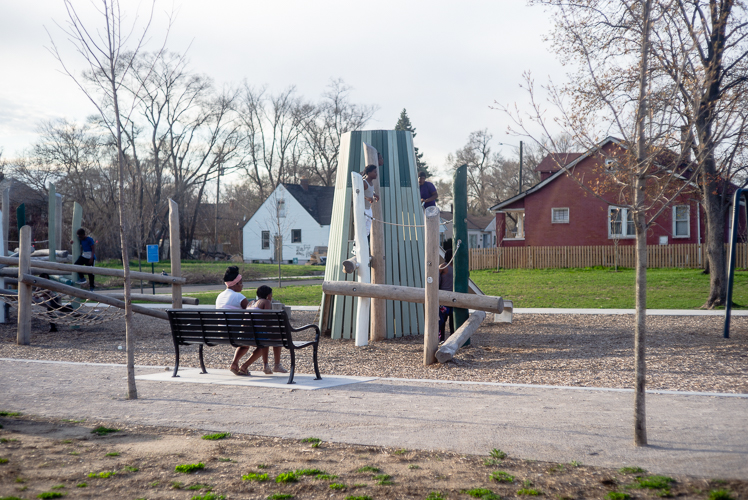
(403, 123)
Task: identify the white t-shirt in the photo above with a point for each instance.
(229, 299)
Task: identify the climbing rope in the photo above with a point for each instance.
(65, 309)
(392, 223)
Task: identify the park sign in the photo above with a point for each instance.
(152, 253)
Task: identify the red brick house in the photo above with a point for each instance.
(559, 212)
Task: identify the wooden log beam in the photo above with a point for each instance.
(447, 351)
(486, 303)
(30, 279)
(162, 299)
(176, 256)
(350, 265)
(378, 329)
(103, 271)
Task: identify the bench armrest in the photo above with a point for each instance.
(306, 327)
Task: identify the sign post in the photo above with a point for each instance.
(152, 258)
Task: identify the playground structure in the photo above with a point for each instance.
(57, 302)
(403, 240)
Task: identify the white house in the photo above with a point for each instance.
(298, 213)
(481, 230)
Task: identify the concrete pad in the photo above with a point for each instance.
(258, 379)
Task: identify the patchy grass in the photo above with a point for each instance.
(280, 496)
(50, 494)
(112, 454)
(655, 482)
(338, 486)
(325, 477)
(313, 441)
(309, 472)
(483, 494)
(189, 468)
(196, 487)
(401, 451)
(103, 431)
(4, 460)
(368, 468)
(615, 495)
(362, 497)
(226, 460)
(81, 485)
(287, 477)
(130, 468)
(10, 414)
(103, 475)
(720, 494)
(383, 479)
(502, 477)
(529, 492)
(217, 436)
(413, 467)
(255, 477)
(435, 495)
(632, 470)
(208, 496)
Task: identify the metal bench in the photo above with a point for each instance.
(238, 327)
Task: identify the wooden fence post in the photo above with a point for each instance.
(77, 219)
(378, 261)
(431, 273)
(23, 336)
(175, 249)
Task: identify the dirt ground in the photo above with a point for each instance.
(53, 456)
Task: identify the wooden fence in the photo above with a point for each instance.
(590, 256)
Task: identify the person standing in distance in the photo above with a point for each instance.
(87, 257)
(428, 191)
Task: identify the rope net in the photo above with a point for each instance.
(66, 309)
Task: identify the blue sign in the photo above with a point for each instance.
(152, 251)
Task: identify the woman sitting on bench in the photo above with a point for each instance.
(232, 298)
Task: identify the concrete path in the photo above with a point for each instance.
(703, 435)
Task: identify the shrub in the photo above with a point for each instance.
(189, 468)
(498, 454)
(217, 436)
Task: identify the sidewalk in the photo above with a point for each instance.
(702, 435)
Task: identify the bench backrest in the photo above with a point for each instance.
(237, 327)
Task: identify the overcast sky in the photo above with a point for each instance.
(446, 62)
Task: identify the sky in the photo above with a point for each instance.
(446, 62)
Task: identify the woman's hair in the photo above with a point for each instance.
(369, 169)
(231, 273)
(264, 291)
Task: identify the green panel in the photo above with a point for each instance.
(20, 217)
(461, 264)
(418, 246)
(354, 157)
(402, 159)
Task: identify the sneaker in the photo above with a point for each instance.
(82, 281)
(92, 289)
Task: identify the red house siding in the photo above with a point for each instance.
(588, 216)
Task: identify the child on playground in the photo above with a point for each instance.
(87, 257)
(232, 298)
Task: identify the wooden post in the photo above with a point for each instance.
(431, 273)
(3, 308)
(24, 290)
(51, 227)
(58, 221)
(447, 351)
(176, 253)
(378, 262)
(362, 257)
(77, 218)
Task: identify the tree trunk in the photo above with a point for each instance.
(715, 248)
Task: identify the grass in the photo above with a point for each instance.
(195, 487)
(287, 477)
(10, 414)
(498, 454)
(104, 474)
(309, 472)
(362, 497)
(310, 295)
(228, 460)
(720, 494)
(81, 485)
(368, 468)
(338, 486)
(325, 477)
(502, 477)
(217, 436)
(529, 492)
(615, 495)
(483, 494)
(631, 470)
(655, 482)
(177, 485)
(103, 431)
(413, 466)
(112, 454)
(3, 460)
(435, 495)
(383, 479)
(130, 468)
(189, 468)
(603, 288)
(58, 487)
(401, 451)
(280, 496)
(50, 494)
(208, 496)
(255, 477)
(249, 271)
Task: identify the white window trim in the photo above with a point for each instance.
(523, 225)
(568, 215)
(688, 221)
(624, 224)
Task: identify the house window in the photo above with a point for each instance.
(559, 215)
(515, 225)
(621, 223)
(473, 243)
(681, 221)
(295, 235)
(265, 240)
(281, 208)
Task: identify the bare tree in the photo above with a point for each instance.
(482, 165)
(644, 175)
(104, 52)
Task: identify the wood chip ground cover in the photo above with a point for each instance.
(46, 454)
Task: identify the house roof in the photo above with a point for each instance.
(317, 200)
(557, 174)
(475, 222)
(553, 161)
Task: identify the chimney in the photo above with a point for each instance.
(305, 184)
